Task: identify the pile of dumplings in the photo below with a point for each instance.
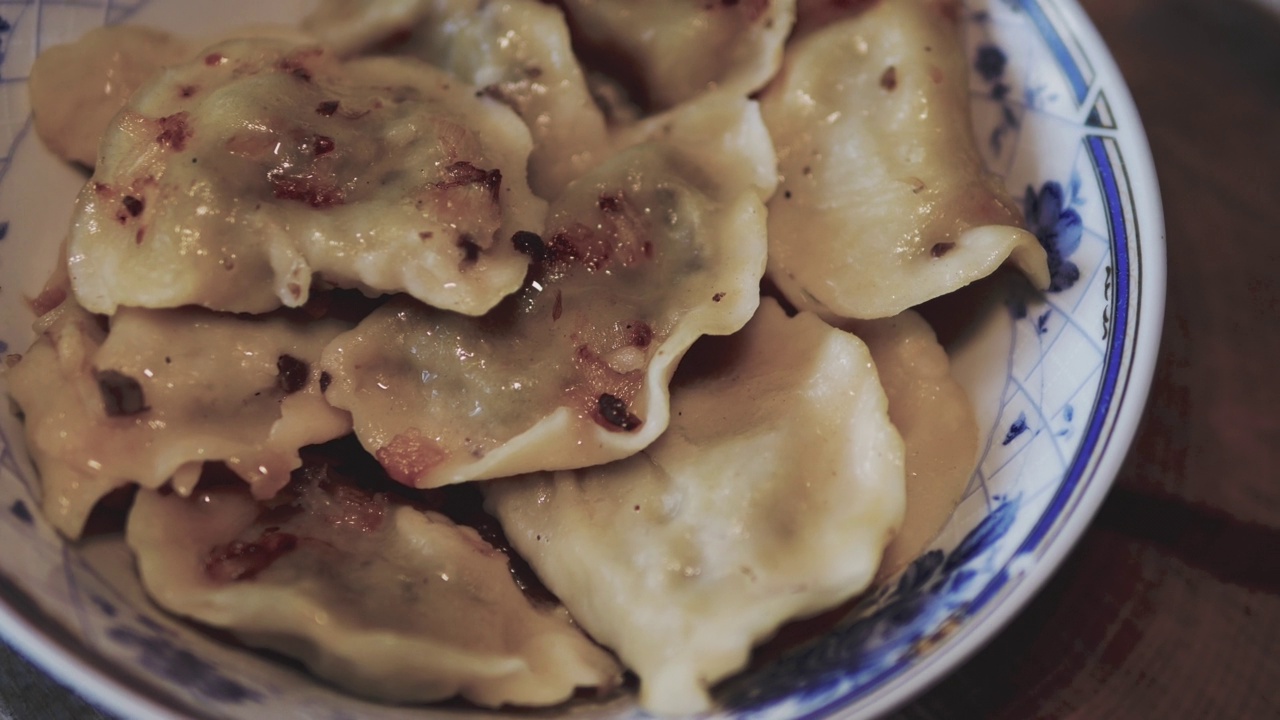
(480, 236)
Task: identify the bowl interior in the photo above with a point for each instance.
(1058, 381)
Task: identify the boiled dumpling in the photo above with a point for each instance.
(77, 88)
(771, 496)
(641, 257)
(231, 181)
(671, 51)
(380, 598)
(164, 392)
(516, 51)
(933, 414)
(883, 201)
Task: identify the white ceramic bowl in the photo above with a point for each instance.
(1059, 382)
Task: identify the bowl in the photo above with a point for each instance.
(1058, 380)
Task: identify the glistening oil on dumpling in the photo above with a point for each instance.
(161, 394)
(641, 257)
(516, 51)
(771, 496)
(933, 414)
(229, 182)
(883, 201)
(671, 51)
(384, 599)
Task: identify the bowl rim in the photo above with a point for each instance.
(1141, 352)
(73, 664)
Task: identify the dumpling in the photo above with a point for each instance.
(349, 27)
(771, 496)
(383, 599)
(516, 51)
(164, 392)
(77, 88)
(674, 50)
(883, 201)
(642, 256)
(933, 414)
(230, 182)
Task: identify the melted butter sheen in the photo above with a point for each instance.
(241, 176)
(165, 391)
(295, 576)
(624, 280)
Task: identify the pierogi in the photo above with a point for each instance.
(164, 392)
(294, 575)
(883, 202)
(517, 52)
(232, 181)
(771, 496)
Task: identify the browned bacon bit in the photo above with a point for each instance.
(323, 145)
(463, 173)
(132, 205)
(121, 395)
(410, 455)
(325, 380)
(639, 334)
(950, 10)
(889, 79)
(48, 299)
(291, 374)
(174, 131)
(942, 248)
(138, 236)
(213, 59)
(394, 40)
(295, 66)
(352, 507)
(717, 297)
(558, 308)
(579, 244)
(470, 250)
(613, 410)
(239, 560)
(530, 243)
(327, 108)
(307, 190)
(610, 203)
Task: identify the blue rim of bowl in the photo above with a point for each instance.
(1136, 229)
(1121, 159)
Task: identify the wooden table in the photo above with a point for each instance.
(1170, 606)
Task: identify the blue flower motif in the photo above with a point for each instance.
(931, 596)
(20, 511)
(990, 62)
(1059, 229)
(1018, 427)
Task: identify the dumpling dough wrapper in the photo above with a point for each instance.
(771, 496)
